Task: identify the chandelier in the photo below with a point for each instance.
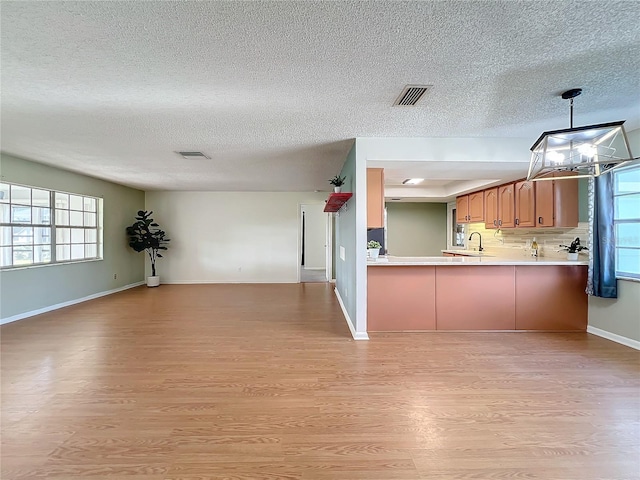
(576, 152)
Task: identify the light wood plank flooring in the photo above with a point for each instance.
(251, 382)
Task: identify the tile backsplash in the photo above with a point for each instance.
(513, 241)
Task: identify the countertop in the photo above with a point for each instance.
(391, 261)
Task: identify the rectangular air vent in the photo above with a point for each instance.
(411, 95)
(191, 155)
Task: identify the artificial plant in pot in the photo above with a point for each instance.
(373, 249)
(337, 183)
(573, 249)
(145, 235)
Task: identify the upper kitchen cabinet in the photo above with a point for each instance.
(470, 208)
(491, 208)
(476, 207)
(462, 209)
(525, 204)
(375, 197)
(557, 203)
(506, 206)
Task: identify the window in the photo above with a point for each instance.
(39, 226)
(626, 193)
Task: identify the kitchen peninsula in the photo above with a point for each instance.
(476, 293)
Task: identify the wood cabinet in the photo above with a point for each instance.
(462, 209)
(475, 298)
(401, 298)
(506, 206)
(548, 203)
(375, 197)
(525, 204)
(470, 208)
(476, 207)
(565, 302)
(491, 208)
(557, 203)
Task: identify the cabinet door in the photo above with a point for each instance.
(462, 209)
(476, 207)
(565, 203)
(506, 206)
(375, 197)
(544, 203)
(525, 204)
(491, 208)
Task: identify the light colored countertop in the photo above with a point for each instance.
(391, 261)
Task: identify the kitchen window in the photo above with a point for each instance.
(626, 193)
(40, 227)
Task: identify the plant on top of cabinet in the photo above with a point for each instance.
(145, 235)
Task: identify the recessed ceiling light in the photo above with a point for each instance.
(413, 181)
(190, 155)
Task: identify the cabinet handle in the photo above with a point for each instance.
(495, 223)
(517, 222)
(539, 219)
(499, 223)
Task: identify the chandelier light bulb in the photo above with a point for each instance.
(555, 156)
(588, 150)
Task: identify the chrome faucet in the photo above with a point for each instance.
(480, 247)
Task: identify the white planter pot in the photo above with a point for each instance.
(373, 253)
(153, 281)
(337, 189)
(572, 256)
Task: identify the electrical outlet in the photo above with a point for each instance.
(115, 276)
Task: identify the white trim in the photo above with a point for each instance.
(629, 342)
(354, 334)
(39, 311)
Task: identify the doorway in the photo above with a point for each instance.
(314, 263)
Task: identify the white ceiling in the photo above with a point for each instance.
(274, 92)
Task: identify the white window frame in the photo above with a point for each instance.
(8, 236)
(621, 274)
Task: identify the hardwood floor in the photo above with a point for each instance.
(253, 382)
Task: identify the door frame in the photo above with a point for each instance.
(328, 260)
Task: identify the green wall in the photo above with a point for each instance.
(416, 229)
(27, 289)
(346, 238)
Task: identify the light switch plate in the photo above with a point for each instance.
(342, 253)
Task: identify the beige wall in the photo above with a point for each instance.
(416, 229)
(27, 289)
(222, 237)
(620, 316)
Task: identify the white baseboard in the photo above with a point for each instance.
(629, 342)
(39, 311)
(354, 334)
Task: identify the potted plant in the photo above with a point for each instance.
(144, 235)
(573, 249)
(373, 249)
(337, 183)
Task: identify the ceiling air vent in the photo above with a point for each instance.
(192, 155)
(411, 94)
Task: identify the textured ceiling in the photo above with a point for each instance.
(274, 92)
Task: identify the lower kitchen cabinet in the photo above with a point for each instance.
(401, 299)
(551, 298)
(475, 298)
